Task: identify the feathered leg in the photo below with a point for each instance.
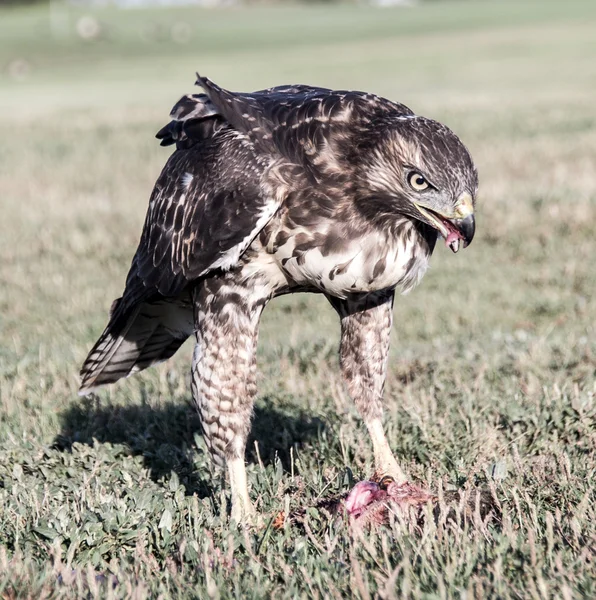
(227, 315)
(364, 348)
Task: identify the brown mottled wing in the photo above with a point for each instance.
(194, 118)
(205, 210)
(301, 124)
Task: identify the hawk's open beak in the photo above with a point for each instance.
(459, 225)
(467, 227)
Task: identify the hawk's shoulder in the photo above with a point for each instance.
(296, 120)
(304, 125)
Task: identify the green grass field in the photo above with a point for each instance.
(492, 375)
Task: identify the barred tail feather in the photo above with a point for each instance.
(134, 339)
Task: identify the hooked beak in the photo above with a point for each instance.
(459, 225)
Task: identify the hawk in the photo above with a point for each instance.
(289, 189)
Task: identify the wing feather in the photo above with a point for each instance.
(300, 123)
(206, 208)
(194, 117)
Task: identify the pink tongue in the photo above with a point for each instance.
(453, 235)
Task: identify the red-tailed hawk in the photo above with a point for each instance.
(289, 189)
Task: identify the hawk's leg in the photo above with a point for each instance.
(364, 348)
(227, 317)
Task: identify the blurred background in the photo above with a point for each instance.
(85, 85)
(490, 351)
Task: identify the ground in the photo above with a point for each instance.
(492, 372)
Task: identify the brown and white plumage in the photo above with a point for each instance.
(293, 188)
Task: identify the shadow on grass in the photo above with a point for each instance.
(165, 436)
(278, 429)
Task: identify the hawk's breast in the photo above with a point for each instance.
(341, 262)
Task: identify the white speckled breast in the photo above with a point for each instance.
(368, 263)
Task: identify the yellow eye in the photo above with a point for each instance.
(418, 182)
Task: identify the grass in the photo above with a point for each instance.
(492, 375)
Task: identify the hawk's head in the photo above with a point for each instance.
(420, 168)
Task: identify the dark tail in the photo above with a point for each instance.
(135, 338)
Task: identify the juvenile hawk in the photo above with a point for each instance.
(289, 189)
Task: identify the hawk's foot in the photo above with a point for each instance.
(385, 463)
(243, 511)
(388, 467)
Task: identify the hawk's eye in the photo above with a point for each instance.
(418, 182)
